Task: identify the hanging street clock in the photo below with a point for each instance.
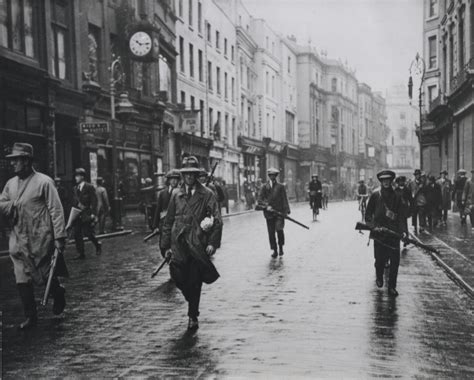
(143, 42)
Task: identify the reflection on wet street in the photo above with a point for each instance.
(315, 312)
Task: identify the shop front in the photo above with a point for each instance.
(253, 160)
(200, 147)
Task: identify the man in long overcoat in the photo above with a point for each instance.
(190, 235)
(446, 189)
(468, 199)
(315, 192)
(85, 199)
(32, 206)
(458, 192)
(273, 196)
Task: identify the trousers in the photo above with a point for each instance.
(275, 229)
(386, 250)
(84, 229)
(188, 279)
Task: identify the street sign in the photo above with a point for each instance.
(102, 127)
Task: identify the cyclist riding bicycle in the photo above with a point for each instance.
(362, 194)
(315, 192)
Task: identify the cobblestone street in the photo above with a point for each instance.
(316, 312)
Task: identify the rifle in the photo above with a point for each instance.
(263, 207)
(153, 234)
(211, 175)
(163, 263)
(54, 260)
(387, 231)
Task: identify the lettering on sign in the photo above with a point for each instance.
(102, 127)
(188, 121)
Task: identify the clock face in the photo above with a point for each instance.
(140, 44)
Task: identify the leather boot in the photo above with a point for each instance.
(27, 296)
(281, 250)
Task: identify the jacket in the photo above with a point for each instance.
(446, 189)
(163, 200)
(467, 195)
(274, 196)
(315, 186)
(182, 232)
(35, 212)
(86, 200)
(103, 205)
(434, 197)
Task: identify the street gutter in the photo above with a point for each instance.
(452, 274)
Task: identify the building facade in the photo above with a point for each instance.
(403, 154)
(447, 140)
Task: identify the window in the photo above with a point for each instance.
(165, 75)
(232, 56)
(210, 121)
(290, 127)
(233, 90)
(218, 40)
(433, 8)
(190, 13)
(432, 52)
(273, 85)
(218, 79)
(462, 44)
(209, 74)
(431, 93)
(180, 8)
(226, 92)
(225, 47)
(200, 68)
(208, 27)
(192, 102)
(289, 65)
(267, 83)
(183, 98)
(199, 17)
(273, 48)
(191, 60)
(18, 26)
(267, 44)
(226, 126)
(59, 64)
(181, 54)
(201, 116)
(94, 52)
(334, 84)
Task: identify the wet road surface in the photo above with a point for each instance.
(316, 312)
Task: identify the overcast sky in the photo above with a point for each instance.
(379, 38)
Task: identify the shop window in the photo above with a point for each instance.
(15, 116)
(18, 26)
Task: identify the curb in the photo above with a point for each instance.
(451, 273)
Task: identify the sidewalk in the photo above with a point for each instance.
(456, 250)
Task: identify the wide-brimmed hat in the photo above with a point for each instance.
(386, 174)
(173, 173)
(444, 172)
(190, 164)
(203, 173)
(80, 171)
(21, 150)
(417, 171)
(314, 176)
(401, 179)
(462, 171)
(273, 171)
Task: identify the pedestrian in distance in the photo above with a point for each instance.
(273, 196)
(315, 192)
(103, 204)
(459, 185)
(402, 190)
(63, 194)
(31, 204)
(385, 210)
(190, 235)
(225, 203)
(85, 199)
(446, 190)
(164, 196)
(415, 185)
(468, 199)
(434, 200)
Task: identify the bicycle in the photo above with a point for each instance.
(315, 201)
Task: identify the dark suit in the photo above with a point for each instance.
(315, 193)
(275, 196)
(86, 200)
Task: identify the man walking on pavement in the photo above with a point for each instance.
(468, 198)
(273, 196)
(414, 187)
(446, 188)
(103, 205)
(164, 197)
(433, 202)
(315, 191)
(407, 201)
(190, 235)
(459, 185)
(85, 199)
(385, 210)
(31, 203)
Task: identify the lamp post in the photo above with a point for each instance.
(124, 111)
(418, 67)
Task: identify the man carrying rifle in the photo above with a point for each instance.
(31, 203)
(273, 196)
(164, 196)
(190, 235)
(385, 210)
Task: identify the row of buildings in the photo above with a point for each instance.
(258, 99)
(447, 135)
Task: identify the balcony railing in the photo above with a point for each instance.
(462, 76)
